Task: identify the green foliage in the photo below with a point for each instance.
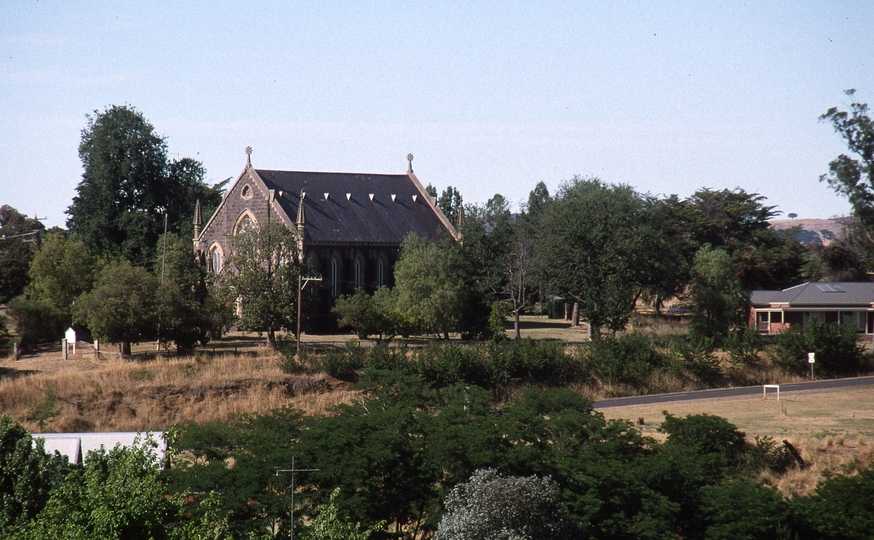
(737, 222)
(342, 363)
(328, 524)
(720, 302)
(35, 321)
(122, 307)
(119, 494)
(853, 175)
(45, 410)
(493, 507)
(742, 510)
(593, 246)
(497, 317)
(627, 359)
(263, 273)
(19, 237)
(834, 344)
(430, 286)
(743, 346)
(712, 437)
(27, 476)
(841, 508)
(450, 204)
(696, 357)
(189, 311)
(370, 315)
(61, 271)
(127, 179)
(141, 375)
(238, 462)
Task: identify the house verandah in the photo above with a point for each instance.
(773, 312)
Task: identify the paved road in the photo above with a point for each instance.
(732, 392)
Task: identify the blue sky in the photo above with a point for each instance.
(490, 97)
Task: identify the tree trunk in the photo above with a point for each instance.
(575, 316)
(124, 348)
(516, 324)
(271, 338)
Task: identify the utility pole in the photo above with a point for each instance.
(293, 470)
(163, 263)
(301, 285)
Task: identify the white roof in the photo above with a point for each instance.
(77, 445)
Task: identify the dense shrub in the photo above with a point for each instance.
(834, 344)
(626, 359)
(494, 507)
(342, 363)
(35, 322)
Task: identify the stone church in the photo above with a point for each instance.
(350, 226)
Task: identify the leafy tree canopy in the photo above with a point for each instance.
(853, 175)
(262, 273)
(127, 181)
(62, 271)
(123, 306)
(19, 236)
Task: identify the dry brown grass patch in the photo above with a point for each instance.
(153, 395)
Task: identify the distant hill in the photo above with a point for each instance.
(814, 231)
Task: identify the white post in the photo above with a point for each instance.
(64, 348)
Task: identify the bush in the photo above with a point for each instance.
(626, 359)
(696, 357)
(532, 362)
(834, 344)
(392, 358)
(343, 363)
(35, 322)
(490, 506)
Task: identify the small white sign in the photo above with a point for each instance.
(811, 358)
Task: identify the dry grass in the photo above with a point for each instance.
(118, 395)
(832, 429)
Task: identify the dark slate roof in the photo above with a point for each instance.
(349, 214)
(818, 294)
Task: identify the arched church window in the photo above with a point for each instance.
(359, 273)
(335, 277)
(215, 259)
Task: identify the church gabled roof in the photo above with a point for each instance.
(357, 207)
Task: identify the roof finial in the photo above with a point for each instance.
(249, 156)
(410, 166)
(301, 213)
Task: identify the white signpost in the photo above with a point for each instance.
(811, 359)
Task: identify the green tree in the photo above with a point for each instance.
(593, 247)
(328, 524)
(262, 274)
(35, 321)
(450, 204)
(370, 314)
(430, 285)
(119, 494)
(841, 508)
(737, 222)
(19, 237)
(189, 310)
(720, 302)
(853, 175)
(127, 180)
(835, 345)
(494, 507)
(27, 475)
(61, 271)
(123, 306)
(742, 510)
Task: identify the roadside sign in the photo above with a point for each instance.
(811, 358)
